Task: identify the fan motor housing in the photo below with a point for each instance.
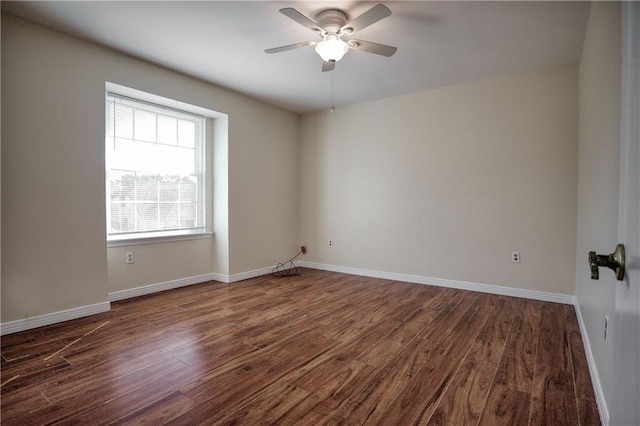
(332, 20)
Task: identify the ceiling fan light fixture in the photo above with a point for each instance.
(332, 48)
(332, 25)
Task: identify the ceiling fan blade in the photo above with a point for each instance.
(328, 66)
(290, 47)
(369, 17)
(368, 46)
(301, 19)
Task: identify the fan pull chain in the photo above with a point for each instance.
(333, 96)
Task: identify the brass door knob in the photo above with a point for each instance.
(613, 261)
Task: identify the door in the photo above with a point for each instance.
(625, 405)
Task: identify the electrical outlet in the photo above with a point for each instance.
(606, 328)
(515, 256)
(128, 258)
(330, 243)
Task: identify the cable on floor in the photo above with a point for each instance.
(288, 268)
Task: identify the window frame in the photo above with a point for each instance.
(202, 153)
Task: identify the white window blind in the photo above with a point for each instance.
(155, 168)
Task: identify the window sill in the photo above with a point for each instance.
(158, 237)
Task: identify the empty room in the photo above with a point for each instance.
(320, 212)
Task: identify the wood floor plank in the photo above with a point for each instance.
(346, 351)
(447, 317)
(320, 348)
(385, 350)
(214, 355)
(59, 331)
(553, 399)
(19, 411)
(230, 392)
(15, 340)
(118, 339)
(464, 400)
(506, 407)
(107, 402)
(585, 396)
(225, 391)
(32, 380)
(518, 362)
(269, 407)
(431, 381)
(383, 388)
(410, 327)
(380, 389)
(270, 333)
(160, 411)
(350, 327)
(200, 315)
(329, 386)
(149, 369)
(36, 349)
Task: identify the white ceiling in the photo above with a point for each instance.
(439, 43)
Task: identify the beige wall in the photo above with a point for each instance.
(54, 253)
(447, 183)
(263, 224)
(599, 173)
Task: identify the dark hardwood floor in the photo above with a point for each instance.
(324, 348)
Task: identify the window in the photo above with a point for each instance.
(155, 166)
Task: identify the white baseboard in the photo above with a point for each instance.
(167, 285)
(52, 318)
(440, 282)
(223, 278)
(593, 371)
(250, 274)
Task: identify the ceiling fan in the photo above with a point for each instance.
(332, 25)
